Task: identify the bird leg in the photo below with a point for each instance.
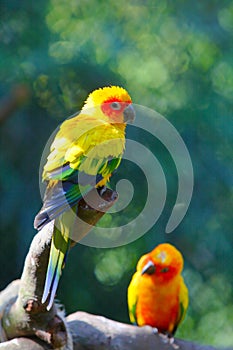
(168, 338)
(155, 330)
(101, 190)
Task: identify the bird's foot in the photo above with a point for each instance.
(168, 339)
(102, 190)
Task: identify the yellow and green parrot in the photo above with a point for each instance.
(85, 152)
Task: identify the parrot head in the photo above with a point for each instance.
(163, 263)
(112, 104)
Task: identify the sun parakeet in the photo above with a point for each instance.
(85, 152)
(157, 294)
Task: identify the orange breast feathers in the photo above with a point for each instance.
(157, 294)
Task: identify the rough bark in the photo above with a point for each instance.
(23, 314)
(90, 332)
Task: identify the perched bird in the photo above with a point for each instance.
(157, 294)
(86, 150)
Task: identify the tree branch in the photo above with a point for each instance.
(24, 314)
(97, 332)
(90, 332)
(27, 325)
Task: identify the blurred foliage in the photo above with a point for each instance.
(174, 57)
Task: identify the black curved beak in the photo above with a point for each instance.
(129, 114)
(149, 268)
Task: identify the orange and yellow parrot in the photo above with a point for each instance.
(157, 294)
(85, 152)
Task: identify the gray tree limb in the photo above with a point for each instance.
(23, 314)
(27, 325)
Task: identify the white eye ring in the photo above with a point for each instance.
(116, 106)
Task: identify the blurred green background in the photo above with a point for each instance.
(174, 57)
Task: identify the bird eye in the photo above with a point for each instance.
(116, 106)
(165, 269)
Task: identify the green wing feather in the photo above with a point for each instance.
(183, 303)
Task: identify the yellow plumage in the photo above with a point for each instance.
(97, 97)
(90, 134)
(85, 151)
